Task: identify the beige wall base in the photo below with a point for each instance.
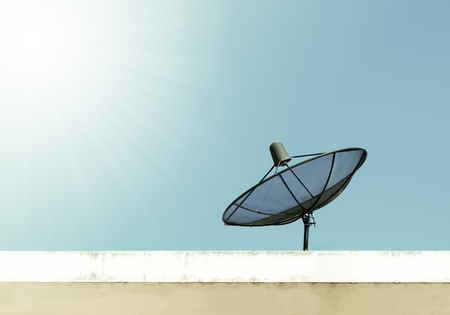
(224, 298)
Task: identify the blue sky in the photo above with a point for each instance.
(131, 125)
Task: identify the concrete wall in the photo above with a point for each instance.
(224, 283)
(274, 266)
(224, 298)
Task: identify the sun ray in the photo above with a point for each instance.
(95, 106)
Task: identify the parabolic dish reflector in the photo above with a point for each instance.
(296, 191)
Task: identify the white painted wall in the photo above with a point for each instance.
(227, 266)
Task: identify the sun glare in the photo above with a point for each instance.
(31, 39)
(30, 42)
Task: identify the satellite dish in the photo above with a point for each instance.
(296, 191)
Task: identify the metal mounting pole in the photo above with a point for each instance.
(307, 222)
(306, 231)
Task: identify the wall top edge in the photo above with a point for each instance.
(225, 266)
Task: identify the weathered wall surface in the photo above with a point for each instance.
(224, 283)
(229, 266)
(224, 298)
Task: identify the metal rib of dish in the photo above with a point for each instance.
(303, 188)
